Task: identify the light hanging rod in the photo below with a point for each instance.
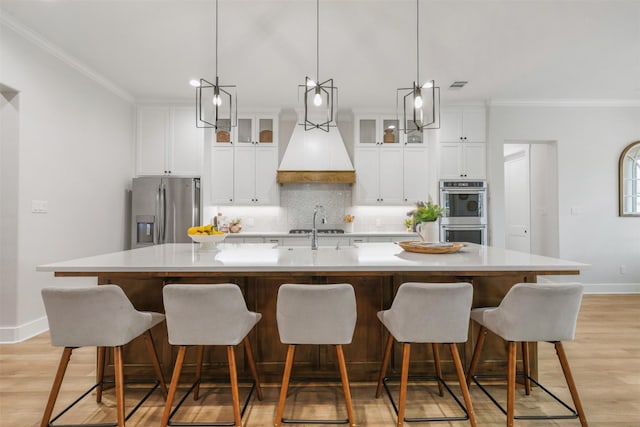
(216, 41)
(317, 41)
(417, 41)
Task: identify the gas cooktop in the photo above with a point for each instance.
(320, 231)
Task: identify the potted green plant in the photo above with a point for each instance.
(425, 220)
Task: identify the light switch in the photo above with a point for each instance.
(39, 206)
(575, 210)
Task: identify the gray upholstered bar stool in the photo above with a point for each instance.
(529, 313)
(200, 315)
(315, 314)
(102, 317)
(436, 313)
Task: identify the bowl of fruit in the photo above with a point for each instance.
(206, 235)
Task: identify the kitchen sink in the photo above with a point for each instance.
(320, 231)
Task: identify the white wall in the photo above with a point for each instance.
(590, 140)
(75, 151)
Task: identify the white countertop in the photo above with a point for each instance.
(267, 257)
(274, 234)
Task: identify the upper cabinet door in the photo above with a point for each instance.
(367, 131)
(473, 125)
(168, 142)
(187, 146)
(257, 130)
(152, 140)
(245, 131)
(463, 125)
(377, 130)
(221, 174)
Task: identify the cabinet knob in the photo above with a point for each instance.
(231, 200)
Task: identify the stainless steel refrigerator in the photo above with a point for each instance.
(163, 208)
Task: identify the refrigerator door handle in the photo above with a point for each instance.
(163, 213)
(158, 219)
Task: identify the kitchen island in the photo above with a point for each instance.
(375, 270)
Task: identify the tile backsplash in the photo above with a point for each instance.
(297, 202)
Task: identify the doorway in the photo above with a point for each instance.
(531, 197)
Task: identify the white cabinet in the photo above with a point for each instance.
(244, 162)
(168, 141)
(379, 175)
(260, 129)
(391, 172)
(463, 160)
(254, 175)
(462, 144)
(415, 173)
(377, 130)
(463, 125)
(222, 175)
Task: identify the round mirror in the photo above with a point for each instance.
(629, 183)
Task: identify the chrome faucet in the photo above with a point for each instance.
(314, 231)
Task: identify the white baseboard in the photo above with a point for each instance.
(611, 288)
(595, 288)
(12, 335)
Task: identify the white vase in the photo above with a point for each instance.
(348, 227)
(428, 231)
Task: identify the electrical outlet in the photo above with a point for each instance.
(623, 269)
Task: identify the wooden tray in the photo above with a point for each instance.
(430, 248)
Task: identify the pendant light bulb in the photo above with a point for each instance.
(317, 98)
(417, 99)
(217, 100)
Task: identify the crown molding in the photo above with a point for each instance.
(52, 49)
(506, 102)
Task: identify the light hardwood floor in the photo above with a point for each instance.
(604, 358)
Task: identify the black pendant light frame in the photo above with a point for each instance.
(326, 90)
(429, 94)
(213, 116)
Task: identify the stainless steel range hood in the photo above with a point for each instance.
(316, 156)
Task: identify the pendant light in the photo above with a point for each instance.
(319, 97)
(216, 104)
(421, 102)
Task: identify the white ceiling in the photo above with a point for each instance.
(544, 49)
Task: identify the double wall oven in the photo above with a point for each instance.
(465, 217)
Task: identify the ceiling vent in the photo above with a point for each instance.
(457, 85)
